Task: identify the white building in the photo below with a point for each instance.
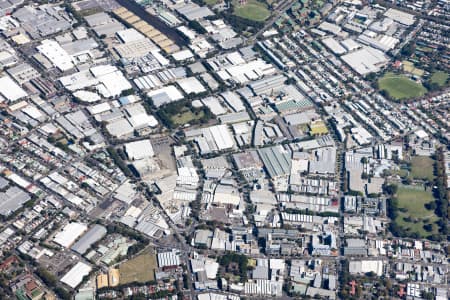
(169, 259)
(75, 276)
(69, 234)
(139, 150)
(56, 55)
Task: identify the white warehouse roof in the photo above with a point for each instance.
(139, 149)
(169, 259)
(75, 276)
(222, 137)
(191, 85)
(10, 90)
(56, 54)
(69, 234)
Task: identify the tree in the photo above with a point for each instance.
(408, 49)
(390, 189)
(197, 27)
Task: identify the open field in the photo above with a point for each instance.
(422, 168)
(186, 116)
(412, 214)
(410, 68)
(140, 269)
(439, 77)
(251, 10)
(400, 87)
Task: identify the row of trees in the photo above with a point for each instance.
(440, 192)
(118, 161)
(52, 282)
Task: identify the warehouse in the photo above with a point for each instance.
(12, 199)
(366, 266)
(96, 233)
(233, 100)
(43, 20)
(103, 24)
(56, 54)
(75, 276)
(193, 11)
(169, 259)
(334, 46)
(108, 80)
(277, 161)
(400, 16)
(10, 90)
(263, 287)
(227, 195)
(165, 95)
(139, 150)
(366, 60)
(23, 73)
(191, 85)
(222, 137)
(69, 234)
(183, 55)
(324, 161)
(268, 85)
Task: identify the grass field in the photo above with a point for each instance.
(251, 10)
(439, 77)
(410, 68)
(211, 2)
(140, 269)
(422, 168)
(186, 116)
(400, 87)
(411, 203)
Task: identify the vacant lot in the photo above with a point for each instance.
(439, 78)
(413, 215)
(251, 10)
(422, 168)
(400, 87)
(186, 116)
(139, 269)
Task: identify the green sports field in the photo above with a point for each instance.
(251, 10)
(413, 215)
(400, 87)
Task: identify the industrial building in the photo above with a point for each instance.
(75, 275)
(96, 233)
(69, 234)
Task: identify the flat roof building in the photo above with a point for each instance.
(96, 233)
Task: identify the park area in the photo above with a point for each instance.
(182, 112)
(251, 10)
(186, 116)
(413, 216)
(422, 168)
(400, 87)
(139, 269)
(440, 78)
